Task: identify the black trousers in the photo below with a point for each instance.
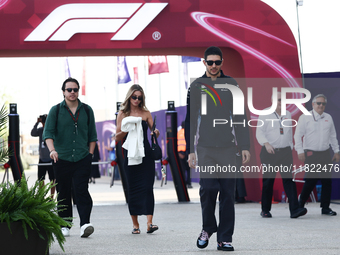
(185, 167)
(78, 174)
(281, 157)
(324, 159)
(43, 169)
(240, 184)
(213, 184)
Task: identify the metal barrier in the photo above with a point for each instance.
(49, 164)
(6, 166)
(112, 163)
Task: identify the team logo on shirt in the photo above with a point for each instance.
(204, 96)
(235, 90)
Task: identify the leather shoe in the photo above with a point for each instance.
(266, 214)
(328, 212)
(298, 212)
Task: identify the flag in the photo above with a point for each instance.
(83, 83)
(135, 75)
(158, 64)
(67, 69)
(186, 60)
(123, 73)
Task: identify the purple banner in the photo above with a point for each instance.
(104, 131)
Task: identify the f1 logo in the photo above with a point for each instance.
(129, 19)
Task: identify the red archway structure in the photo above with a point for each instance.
(256, 41)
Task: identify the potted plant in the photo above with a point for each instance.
(29, 221)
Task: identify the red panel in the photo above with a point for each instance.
(255, 40)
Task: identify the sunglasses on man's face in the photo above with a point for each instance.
(211, 62)
(135, 97)
(74, 89)
(321, 103)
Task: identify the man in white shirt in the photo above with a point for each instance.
(314, 133)
(276, 139)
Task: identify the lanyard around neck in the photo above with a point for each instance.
(277, 116)
(316, 120)
(75, 120)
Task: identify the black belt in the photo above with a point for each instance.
(281, 149)
(317, 152)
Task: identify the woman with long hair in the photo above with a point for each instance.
(133, 121)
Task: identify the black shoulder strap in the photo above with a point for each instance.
(57, 114)
(86, 108)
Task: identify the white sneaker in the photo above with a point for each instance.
(86, 230)
(65, 231)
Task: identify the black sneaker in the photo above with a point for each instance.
(328, 212)
(224, 246)
(203, 239)
(266, 214)
(298, 212)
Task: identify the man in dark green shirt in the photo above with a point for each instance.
(70, 135)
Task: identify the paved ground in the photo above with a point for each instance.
(180, 223)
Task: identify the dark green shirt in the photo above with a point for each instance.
(70, 142)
